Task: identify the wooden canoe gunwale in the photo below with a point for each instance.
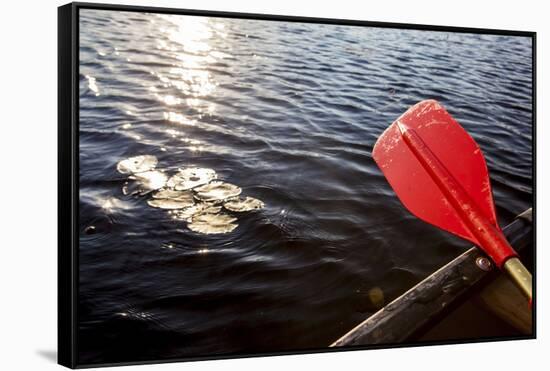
(429, 299)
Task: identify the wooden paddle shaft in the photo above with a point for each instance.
(489, 237)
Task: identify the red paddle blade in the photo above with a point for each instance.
(454, 149)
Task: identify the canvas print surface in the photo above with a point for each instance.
(229, 201)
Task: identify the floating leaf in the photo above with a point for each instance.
(170, 199)
(137, 164)
(212, 223)
(149, 180)
(172, 194)
(180, 192)
(200, 208)
(191, 177)
(217, 191)
(240, 205)
(169, 204)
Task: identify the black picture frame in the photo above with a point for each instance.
(68, 167)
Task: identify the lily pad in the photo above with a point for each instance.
(170, 204)
(172, 194)
(171, 200)
(217, 191)
(212, 223)
(191, 177)
(137, 164)
(200, 208)
(149, 180)
(240, 205)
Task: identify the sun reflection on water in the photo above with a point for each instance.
(188, 39)
(185, 85)
(92, 84)
(170, 100)
(178, 118)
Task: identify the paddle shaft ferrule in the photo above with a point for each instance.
(490, 238)
(520, 275)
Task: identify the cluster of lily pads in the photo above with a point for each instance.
(194, 195)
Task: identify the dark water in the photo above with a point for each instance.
(290, 113)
